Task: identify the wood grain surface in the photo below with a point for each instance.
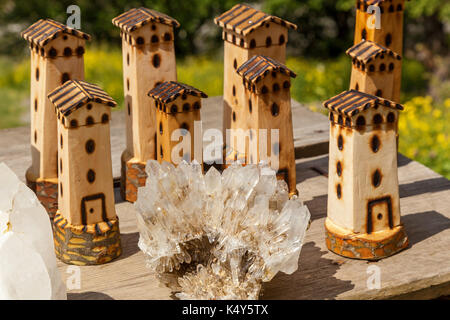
(422, 271)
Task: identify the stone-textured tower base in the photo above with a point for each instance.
(363, 213)
(372, 246)
(86, 245)
(46, 191)
(133, 176)
(86, 227)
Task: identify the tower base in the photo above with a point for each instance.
(293, 193)
(375, 246)
(46, 191)
(133, 176)
(86, 245)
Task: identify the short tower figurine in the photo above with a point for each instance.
(375, 70)
(56, 57)
(363, 195)
(247, 32)
(177, 107)
(148, 59)
(86, 228)
(267, 86)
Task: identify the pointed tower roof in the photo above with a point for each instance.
(43, 31)
(138, 17)
(257, 67)
(74, 94)
(243, 19)
(352, 102)
(170, 90)
(367, 50)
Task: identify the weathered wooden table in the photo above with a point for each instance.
(421, 271)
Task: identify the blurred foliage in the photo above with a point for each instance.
(107, 76)
(425, 133)
(14, 104)
(203, 73)
(424, 125)
(326, 26)
(318, 80)
(430, 8)
(194, 15)
(200, 72)
(316, 55)
(14, 83)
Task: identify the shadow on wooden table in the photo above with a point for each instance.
(129, 244)
(117, 197)
(90, 295)
(423, 225)
(419, 187)
(314, 278)
(402, 160)
(320, 207)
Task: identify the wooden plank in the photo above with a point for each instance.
(310, 136)
(422, 271)
(425, 208)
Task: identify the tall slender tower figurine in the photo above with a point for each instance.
(384, 34)
(56, 57)
(178, 107)
(148, 60)
(86, 228)
(363, 197)
(375, 70)
(247, 32)
(389, 31)
(267, 91)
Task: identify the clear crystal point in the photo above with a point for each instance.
(219, 236)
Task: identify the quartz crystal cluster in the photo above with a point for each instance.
(27, 256)
(218, 236)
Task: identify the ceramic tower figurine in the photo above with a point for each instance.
(177, 107)
(267, 86)
(247, 32)
(148, 59)
(86, 228)
(375, 70)
(390, 33)
(56, 56)
(363, 196)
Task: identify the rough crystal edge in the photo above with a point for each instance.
(158, 172)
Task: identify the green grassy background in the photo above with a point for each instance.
(424, 125)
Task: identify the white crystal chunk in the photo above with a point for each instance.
(27, 259)
(219, 235)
